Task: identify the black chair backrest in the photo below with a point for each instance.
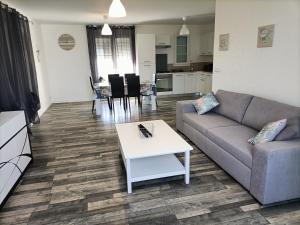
(92, 83)
(112, 76)
(117, 87)
(127, 75)
(133, 86)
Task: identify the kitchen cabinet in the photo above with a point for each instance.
(146, 71)
(204, 83)
(208, 84)
(178, 83)
(15, 151)
(162, 40)
(201, 84)
(190, 83)
(207, 43)
(145, 52)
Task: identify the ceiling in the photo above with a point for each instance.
(138, 11)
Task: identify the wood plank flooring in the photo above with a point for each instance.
(78, 178)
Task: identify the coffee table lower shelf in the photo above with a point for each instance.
(154, 167)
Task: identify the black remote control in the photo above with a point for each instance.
(143, 130)
(146, 130)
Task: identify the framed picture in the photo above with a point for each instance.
(223, 42)
(265, 36)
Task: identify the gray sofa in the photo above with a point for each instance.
(269, 171)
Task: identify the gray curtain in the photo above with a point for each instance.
(123, 31)
(18, 81)
(93, 35)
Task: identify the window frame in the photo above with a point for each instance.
(187, 63)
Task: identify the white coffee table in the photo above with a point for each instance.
(151, 158)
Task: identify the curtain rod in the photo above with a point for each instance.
(21, 16)
(111, 25)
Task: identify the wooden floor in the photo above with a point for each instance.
(78, 178)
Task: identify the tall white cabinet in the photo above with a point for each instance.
(15, 151)
(145, 53)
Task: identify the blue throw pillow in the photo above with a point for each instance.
(269, 132)
(205, 103)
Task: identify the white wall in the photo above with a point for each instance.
(68, 71)
(40, 64)
(273, 72)
(173, 31)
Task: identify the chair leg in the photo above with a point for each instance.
(140, 101)
(124, 103)
(93, 106)
(128, 100)
(109, 103)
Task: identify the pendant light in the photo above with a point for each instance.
(117, 9)
(106, 31)
(184, 31)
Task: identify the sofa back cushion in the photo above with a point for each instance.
(262, 111)
(232, 105)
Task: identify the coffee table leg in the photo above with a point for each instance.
(187, 166)
(128, 172)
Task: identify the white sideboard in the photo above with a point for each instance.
(15, 151)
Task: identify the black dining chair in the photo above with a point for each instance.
(134, 89)
(117, 91)
(112, 76)
(94, 94)
(128, 75)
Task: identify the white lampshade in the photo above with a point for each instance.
(106, 30)
(117, 9)
(184, 31)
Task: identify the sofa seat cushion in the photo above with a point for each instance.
(207, 121)
(234, 140)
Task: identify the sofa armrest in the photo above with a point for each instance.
(275, 172)
(183, 107)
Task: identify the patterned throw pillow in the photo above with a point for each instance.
(268, 132)
(205, 103)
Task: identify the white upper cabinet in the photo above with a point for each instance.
(207, 43)
(163, 40)
(145, 48)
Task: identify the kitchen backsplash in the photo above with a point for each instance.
(196, 66)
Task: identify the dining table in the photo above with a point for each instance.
(103, 90)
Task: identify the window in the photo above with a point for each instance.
(114, 58)
(181, 49)
(104, 57)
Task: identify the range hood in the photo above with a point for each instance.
(162, 46)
